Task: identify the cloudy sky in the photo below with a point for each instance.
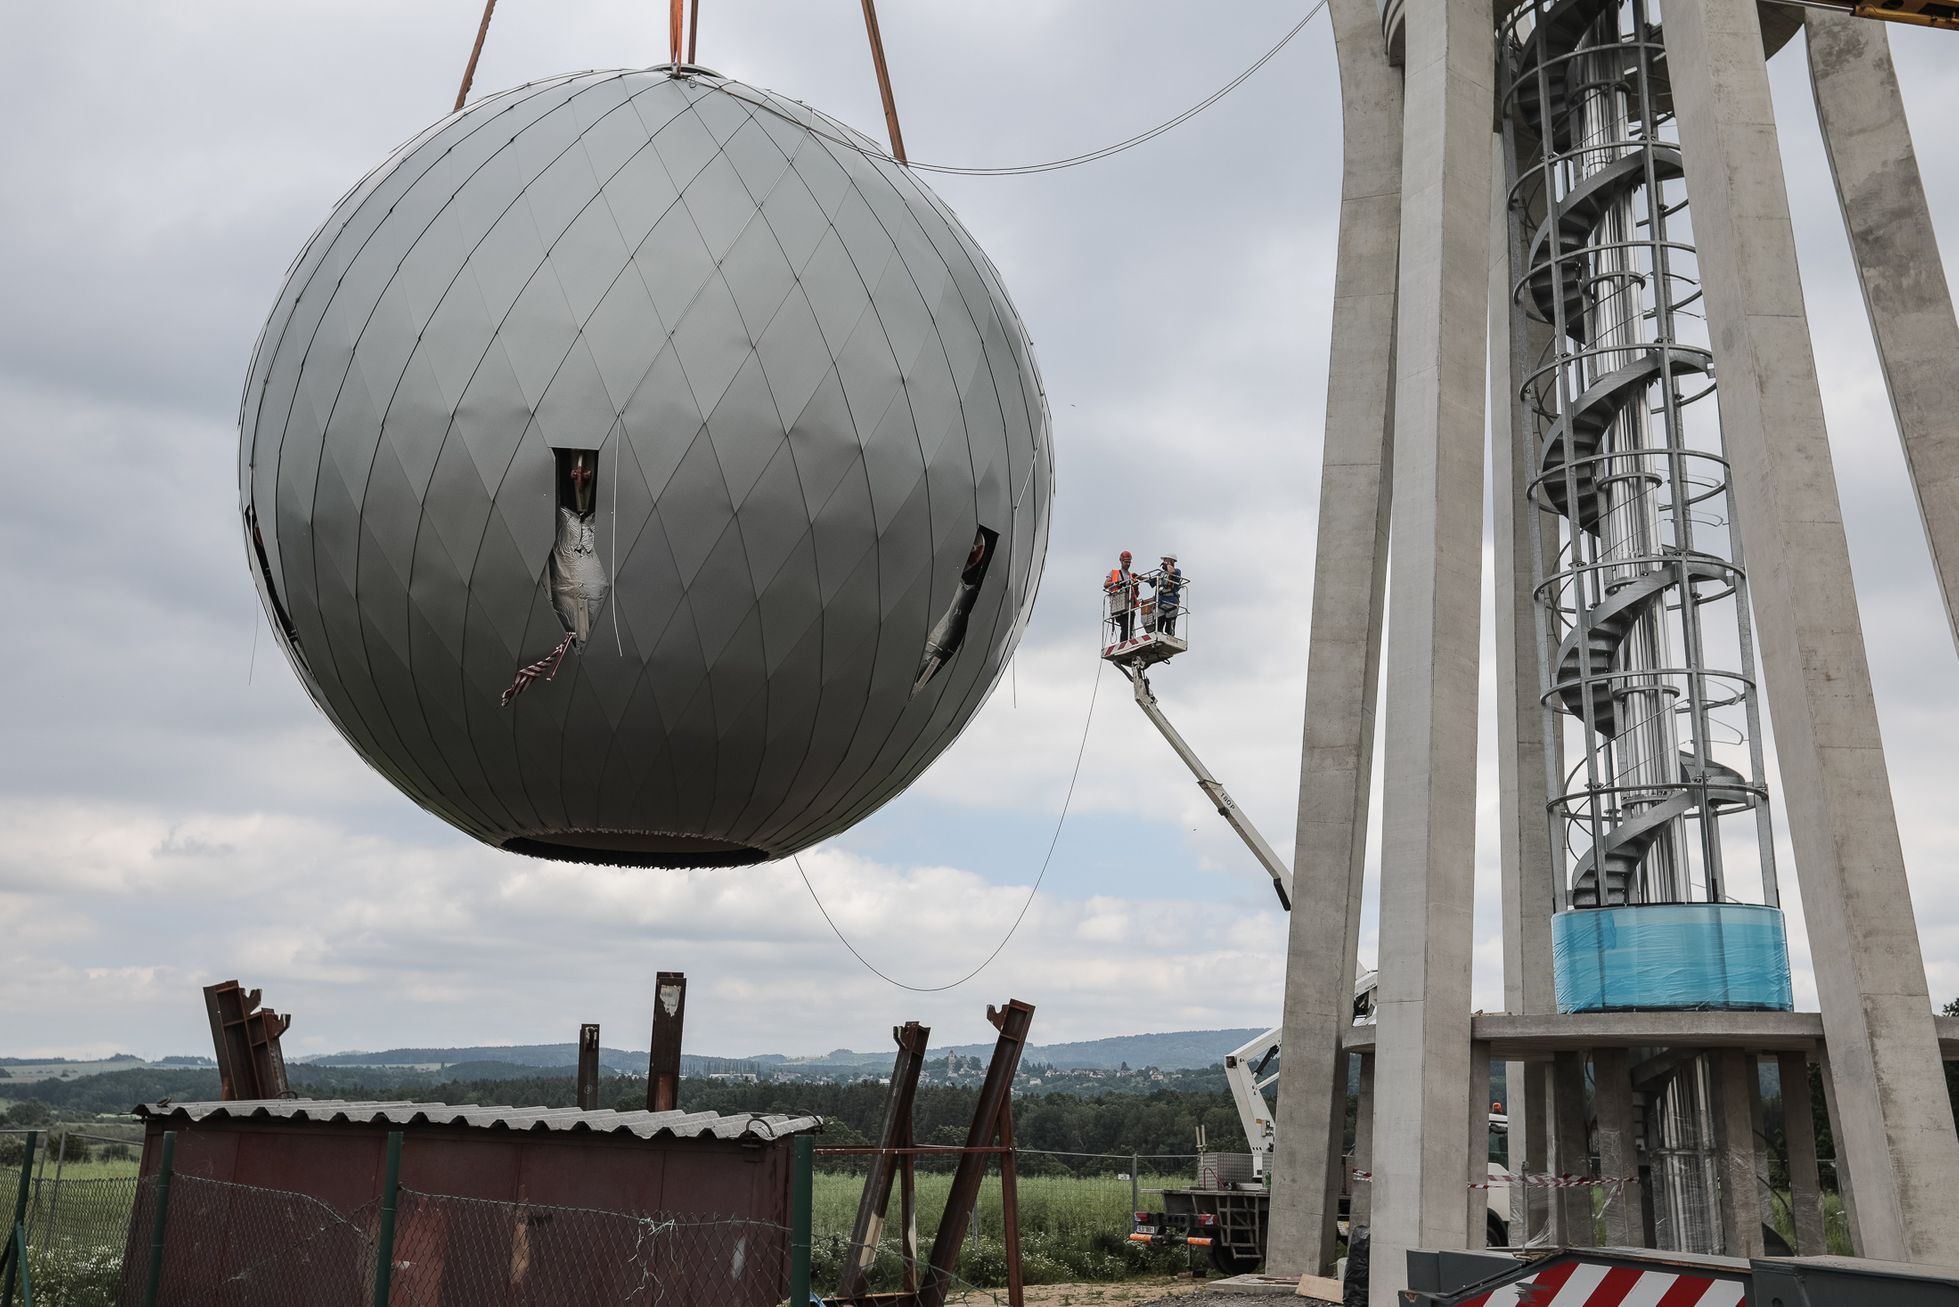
(173, 811)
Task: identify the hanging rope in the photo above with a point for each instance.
(1052, 165)
(1019, 917)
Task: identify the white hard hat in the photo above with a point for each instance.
(1168, 557)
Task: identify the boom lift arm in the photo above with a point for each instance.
(1227, 807)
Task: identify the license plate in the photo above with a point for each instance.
(1145, 1229)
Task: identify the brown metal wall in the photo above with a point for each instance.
(340, 1164)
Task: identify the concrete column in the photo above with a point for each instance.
(1898, 1140)
(1428, 854)
(1530, 1153)
(1735, 1088)
(1573, 1227)
(1478, 1199)
(1846, 1194)
(1618, 1146)
(1799, 1130)
(1526, 544)
(1526, 746)
(1360, 1202)
(1898, 265)
(1343, 658)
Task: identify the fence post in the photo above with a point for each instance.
(54, 1198)
(384, 1241)
(17, 1264)
(1135, 1183)
(801, 1195)
(162, 1217)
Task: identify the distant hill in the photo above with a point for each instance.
(522, 1057)
(1171, 1051)
(1176, 1051)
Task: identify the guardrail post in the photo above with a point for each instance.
(801, 1192)
(384, 1239)
(16, 1261)
(161, 1218)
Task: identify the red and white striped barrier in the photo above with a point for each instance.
(1582, 1284)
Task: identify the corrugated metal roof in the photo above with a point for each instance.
(645, 1125)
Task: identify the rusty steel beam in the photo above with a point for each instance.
(588, 1067)
(995, 1096)
(663, 1062)
(892, 1154)
(475, 53)
(884, 81)
(1010, 1206)
(245, 1041)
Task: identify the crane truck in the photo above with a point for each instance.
(1227, 1211)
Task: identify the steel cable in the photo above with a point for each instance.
(1067, 801)
(1052, 165)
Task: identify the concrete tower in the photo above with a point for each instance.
(1580, 205)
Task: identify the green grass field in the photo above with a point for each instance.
(1072, 1228)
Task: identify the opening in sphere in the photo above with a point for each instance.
(614, 848)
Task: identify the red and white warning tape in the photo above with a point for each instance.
(1540, 1180)
(547, 667)
(1590, 1284)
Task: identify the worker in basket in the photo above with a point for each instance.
(1121, 591)
(1169, 586)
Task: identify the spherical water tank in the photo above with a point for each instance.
(679, 374)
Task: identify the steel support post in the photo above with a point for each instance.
(1896, 249)
(895, 1133)
(1010, 1207)
(802, 1190)
(1428, 859)
(1343, 659)
(384, 1237)
(1013, 1022)
(663, 1059)
(588, 1067)
(1799, 1130)
(160, 1218)
(1898, 1141)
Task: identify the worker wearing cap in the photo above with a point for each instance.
(1121, 591)
(1169, 595)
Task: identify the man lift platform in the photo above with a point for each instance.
(1140, 631)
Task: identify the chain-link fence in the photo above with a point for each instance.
(473, 1251)
(80, 1190)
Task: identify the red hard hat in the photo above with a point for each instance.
(1125, 555)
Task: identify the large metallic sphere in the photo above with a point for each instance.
(664, 363)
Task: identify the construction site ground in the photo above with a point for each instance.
(1149, 1293)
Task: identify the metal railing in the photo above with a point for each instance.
(1149, 607)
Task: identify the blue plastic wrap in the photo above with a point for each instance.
(1671, 956)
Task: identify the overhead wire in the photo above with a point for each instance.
(1051, 165)
(1067, 801)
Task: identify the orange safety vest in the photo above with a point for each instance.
(1117, 585)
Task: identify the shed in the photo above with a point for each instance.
(529, 1203)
